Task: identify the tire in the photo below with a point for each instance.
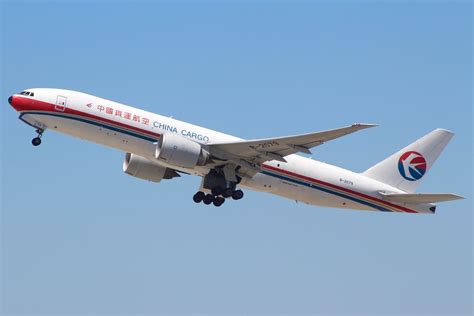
(36, 141)
(198, 197)
(208, 199)
(218, 201)
(227, 192)
(237, 194)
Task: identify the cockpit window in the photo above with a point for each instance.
(31, 94)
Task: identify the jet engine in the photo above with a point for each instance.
(140, 167)
(180, 152)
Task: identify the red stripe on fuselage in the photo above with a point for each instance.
(22, 104)
(404, 209)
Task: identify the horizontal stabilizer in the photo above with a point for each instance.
(419, 198)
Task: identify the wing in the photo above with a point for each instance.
(277, 148)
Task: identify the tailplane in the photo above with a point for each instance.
(406, 168)
(420, 198)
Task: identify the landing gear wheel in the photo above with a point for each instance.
(36, 141)
(216, 191)
(208, 199)
(218, 201)
(237, 194)
(198, 197)
(227, 193)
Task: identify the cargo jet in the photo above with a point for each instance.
(159, 148)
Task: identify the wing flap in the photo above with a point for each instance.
(419, 198)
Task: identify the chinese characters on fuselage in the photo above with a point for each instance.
(146, 121)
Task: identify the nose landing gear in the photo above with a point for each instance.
(37, 140)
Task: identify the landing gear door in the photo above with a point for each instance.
(61, 103)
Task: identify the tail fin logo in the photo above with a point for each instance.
(412, 165)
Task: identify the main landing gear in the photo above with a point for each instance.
(37, 140)
(217, 196)
(220, 189)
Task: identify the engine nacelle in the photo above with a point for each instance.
(180, 152)
(140, 167)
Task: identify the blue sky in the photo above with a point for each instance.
(80, 237)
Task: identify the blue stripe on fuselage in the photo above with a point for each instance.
(315, 186)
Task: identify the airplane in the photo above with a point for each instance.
(161, 148)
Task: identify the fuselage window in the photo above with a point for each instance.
(32, 94)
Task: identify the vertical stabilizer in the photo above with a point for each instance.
(406, 168)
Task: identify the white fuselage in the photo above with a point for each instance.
(136, 131)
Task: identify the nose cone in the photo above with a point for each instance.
(16, 102)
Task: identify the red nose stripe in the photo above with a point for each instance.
(22, 104)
